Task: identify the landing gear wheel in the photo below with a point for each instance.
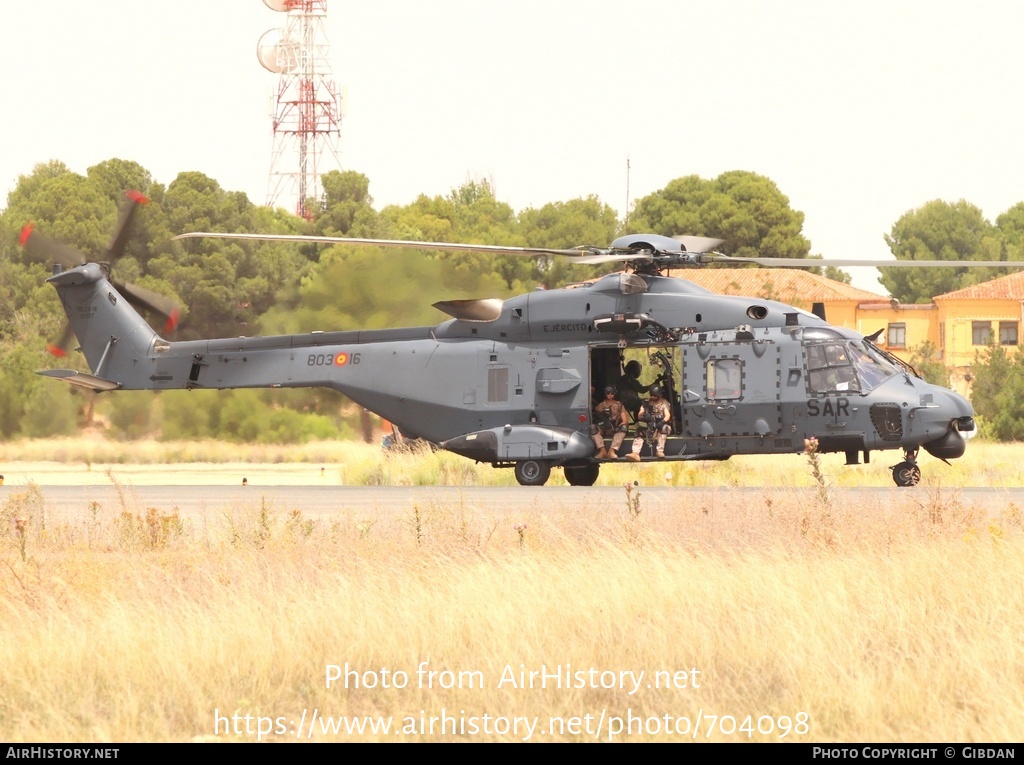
(581, 475)
(533, 472)
(906, 474)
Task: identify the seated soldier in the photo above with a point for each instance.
(654, 420)
(610, 421)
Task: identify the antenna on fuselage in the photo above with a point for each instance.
(627, 189)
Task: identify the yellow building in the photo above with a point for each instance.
(972, 319)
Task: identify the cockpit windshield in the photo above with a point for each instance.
(846, 366)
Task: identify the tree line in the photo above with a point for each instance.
(230, 288)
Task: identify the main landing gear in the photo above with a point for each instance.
(907, 473)
(581, 475)
(537, 472)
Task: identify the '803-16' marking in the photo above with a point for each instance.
(332, 359)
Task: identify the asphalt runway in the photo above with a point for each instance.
(326, 501)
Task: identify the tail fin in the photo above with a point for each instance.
(111, 333)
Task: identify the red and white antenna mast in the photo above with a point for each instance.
(307, 106)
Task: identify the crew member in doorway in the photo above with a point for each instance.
(630, 387)
(610, 421)
(654, 421)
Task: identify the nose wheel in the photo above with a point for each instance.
(907, 473)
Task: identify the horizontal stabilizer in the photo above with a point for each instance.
(81, 379)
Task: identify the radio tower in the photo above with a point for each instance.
(307, 106)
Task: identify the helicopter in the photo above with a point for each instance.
(510, 382)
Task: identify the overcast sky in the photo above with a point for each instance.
(858, 111)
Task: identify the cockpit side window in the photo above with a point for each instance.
(830, 369)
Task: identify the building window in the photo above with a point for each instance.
(897, 335)
(1007, 333)
(981, 332)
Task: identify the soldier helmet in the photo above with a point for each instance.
(609, 389)
(633, 368)
(656, 390)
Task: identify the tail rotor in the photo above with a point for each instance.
(53, 251)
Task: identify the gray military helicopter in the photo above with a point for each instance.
(510, 382)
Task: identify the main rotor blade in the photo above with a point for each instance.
(41, 246)
(698, 243)
(849, 262)
(696, 253)
(612, 257)
(492, 249)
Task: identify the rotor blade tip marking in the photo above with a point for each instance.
(172, 320)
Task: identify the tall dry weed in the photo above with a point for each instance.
(905, 628)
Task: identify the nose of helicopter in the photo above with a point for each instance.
(955, 413)
(958, 407)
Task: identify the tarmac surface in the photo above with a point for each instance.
(196, 488)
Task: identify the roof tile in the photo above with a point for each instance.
(1009, 287)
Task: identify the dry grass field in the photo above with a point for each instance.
(780, 617)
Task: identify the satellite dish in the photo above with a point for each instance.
(276, 52)
(277, 5)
